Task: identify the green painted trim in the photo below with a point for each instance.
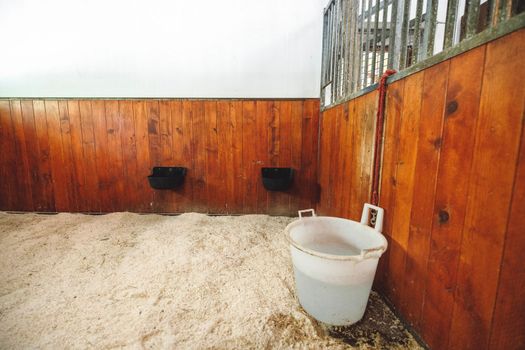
(353, 95)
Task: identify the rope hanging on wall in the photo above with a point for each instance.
(378, 144)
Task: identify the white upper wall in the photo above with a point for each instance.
(160, 48)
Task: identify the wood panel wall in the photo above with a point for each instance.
(94, 155)
(346, 158)
(453, 189)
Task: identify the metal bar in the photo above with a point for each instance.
(429, 34)
(342, 63)
(472, 10)
(331, 49)
(505, 9)
(334, 52)
(383, 40)
(417, 31)
(339, 41)
(373, 9)
(450, 23)
(323, 51)
(340, 48)
(348, 49)
(394, 49)
(367, 43)
(323, 57)
(374, 42)
(499, 12)
(493, 12)
(404, 34)
(327, 47)
(355, 46)
(513, 24)
(360, 50)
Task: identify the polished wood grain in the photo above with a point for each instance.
(452, 178)
(94, 155)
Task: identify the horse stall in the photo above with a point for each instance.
(338, 174)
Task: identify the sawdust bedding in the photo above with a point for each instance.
(192, 281)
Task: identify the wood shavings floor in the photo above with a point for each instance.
(192, 281)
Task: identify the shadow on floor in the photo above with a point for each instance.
(379, 328)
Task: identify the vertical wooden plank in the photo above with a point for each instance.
(461, 113)
(154, 151)
(164, 200)
(337, 166)
(102, 152)
(235, 140)
(296, 142)
(408, 130)
(200, 203)
(349, 157)
(367, 150)
(490, 191)
(309, 150)
(216, 114)
(428, 151)
(508, 321)
(61, 179)
(250, 169)
(263, 115)
(274, 150)
(5, 163)
(282, 203)
(387, 192)
(75, 133)
(355, 207)
(116, 170)
(129, 155)
(182, 153)
(92, 192)
(153, 114)
(143, 156)
(166, 130)
(32, 154)
(331, 132)
(334, 159)
(68, 158)
(25, 197)
(226, 171)
(8, 184)
(325, 150)
(44, 166)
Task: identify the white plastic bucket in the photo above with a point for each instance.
(334, 262)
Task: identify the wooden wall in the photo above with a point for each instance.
(95, 155)
(453, 188)
(346, 158)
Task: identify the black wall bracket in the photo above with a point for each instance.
(164, 178)
(277, 179)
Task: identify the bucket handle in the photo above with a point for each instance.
(311, 211)
(378, 225)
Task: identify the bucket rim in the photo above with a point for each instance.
(365, 253)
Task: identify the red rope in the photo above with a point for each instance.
(379, 135)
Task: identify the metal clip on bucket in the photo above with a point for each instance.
(378, 226)
(311, 211)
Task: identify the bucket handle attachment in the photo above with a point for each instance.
(378, 225)
(372, 252)
(311, 211)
